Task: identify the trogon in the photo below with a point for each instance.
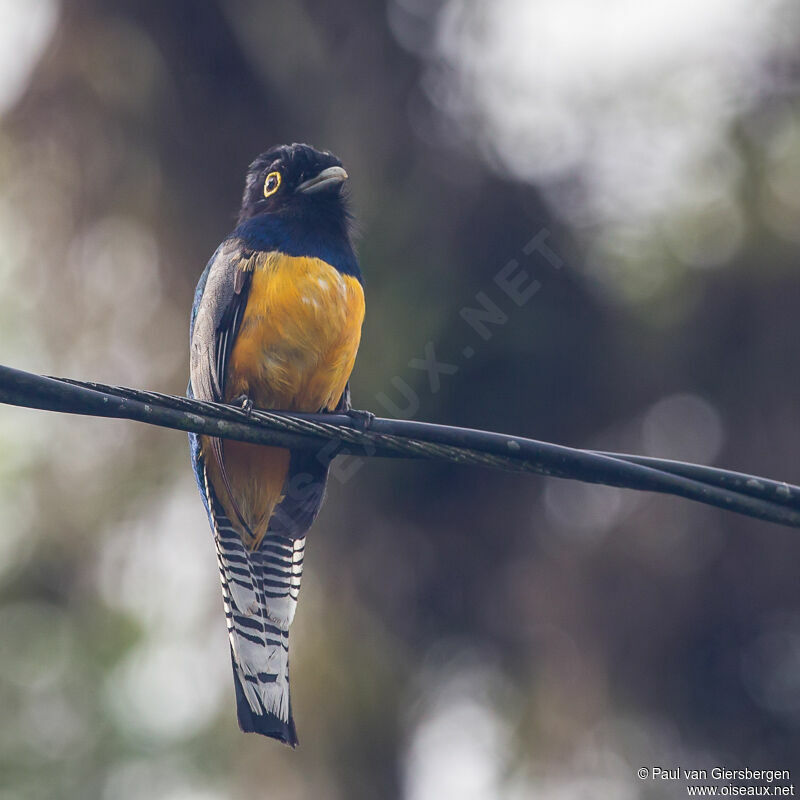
(276, 324)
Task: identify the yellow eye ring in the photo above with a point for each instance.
(272, 183)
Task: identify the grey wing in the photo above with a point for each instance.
(216, 323)
(219, 314)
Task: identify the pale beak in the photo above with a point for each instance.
(329, 177)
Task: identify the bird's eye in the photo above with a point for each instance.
(272, 183)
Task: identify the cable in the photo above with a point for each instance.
(343, 434)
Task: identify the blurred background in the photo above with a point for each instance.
(461, 633)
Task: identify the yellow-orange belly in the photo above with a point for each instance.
(294, 351)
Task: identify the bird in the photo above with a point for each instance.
(275, 324)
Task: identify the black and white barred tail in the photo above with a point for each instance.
(259, 591)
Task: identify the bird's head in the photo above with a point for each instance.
(295, 181)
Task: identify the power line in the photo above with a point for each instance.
(750, 495)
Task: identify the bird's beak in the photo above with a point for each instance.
(328, 178)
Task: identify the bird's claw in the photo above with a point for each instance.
(361, 419)
(245, 402)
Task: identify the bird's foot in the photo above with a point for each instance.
(245, 402)
(361, 419)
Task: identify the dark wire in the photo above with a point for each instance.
(753, 496)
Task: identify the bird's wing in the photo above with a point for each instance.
(217, 316)
(218, 312)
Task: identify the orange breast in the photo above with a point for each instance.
(294, 351)
(299, 336)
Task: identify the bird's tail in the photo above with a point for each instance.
(259, 592)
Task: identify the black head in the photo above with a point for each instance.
(297, 181)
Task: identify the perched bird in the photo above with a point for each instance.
(276, 324)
